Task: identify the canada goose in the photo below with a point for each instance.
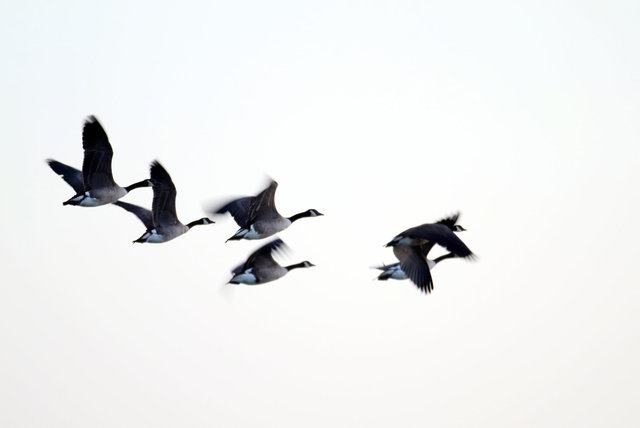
(258, 217)
(94, 186)
(413, 245)
(162, 221)
(260, 267)
(394, 271)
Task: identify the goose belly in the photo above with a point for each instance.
(88, 201)
(107, 195)
(266, 228)
(272, 274)
(244, 278)
(393, 272)
(407, 241)
(160, 235)
(398, 274)
(155, 238)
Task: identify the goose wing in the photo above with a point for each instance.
(264, 204)
(245, 210)
(72, 176)
(263, 256)
(96, 168)
(164, 196)
(143, 214)
(441, 235)
(415, 266)
(239, 210)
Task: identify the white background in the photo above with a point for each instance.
(383, 116)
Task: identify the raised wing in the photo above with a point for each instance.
(96, 167)
(164, 196)
(415, 266)
(143, 214)
(245, 210)
(263, 256)
(72, 176)
(264, 205)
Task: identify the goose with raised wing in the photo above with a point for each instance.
(260, 267)
(257, 215)
(161, 221)
(412, 246)
(94, 185)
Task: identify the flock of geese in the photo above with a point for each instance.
(256, 216)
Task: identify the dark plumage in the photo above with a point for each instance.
(257, 215)
(94, 185)
(260, 267)
(412, 246)
(162, 221)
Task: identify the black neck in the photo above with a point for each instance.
(143, 183)
(444, 257)
(203, 220)
(297, 265)
(299, 216)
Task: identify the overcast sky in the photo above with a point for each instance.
(381, 115)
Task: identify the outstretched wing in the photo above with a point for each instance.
(96, 167)
(143, 214)
(72, 176)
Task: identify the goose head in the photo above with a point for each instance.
(308, 213)
(203, 220)
(304, 264)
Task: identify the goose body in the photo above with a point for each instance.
(94, 185)
(412, 246)
(260, 267)
(394, 271)
(161, 221)
(257, 215)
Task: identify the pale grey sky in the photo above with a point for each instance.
(382, 115)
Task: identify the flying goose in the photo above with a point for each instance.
(260, 267)
(94, 186)
(258, 217)
(162, 221)
(394, 271)
(412, 246)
